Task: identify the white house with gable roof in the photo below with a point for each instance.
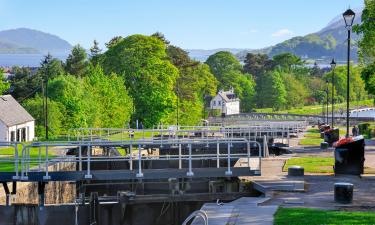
(16, 124)
(226, 102)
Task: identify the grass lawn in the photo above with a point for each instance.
(312, 164)
(311, 138)
(125, 135)
(298, 216)
(317, 109)
(7, 156)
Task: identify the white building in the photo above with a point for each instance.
(226, 102)
(16, 124)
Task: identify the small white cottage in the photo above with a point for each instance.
(16, 124)
(226, 102)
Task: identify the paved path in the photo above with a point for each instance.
(245, 210)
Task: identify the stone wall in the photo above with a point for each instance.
(55, 192)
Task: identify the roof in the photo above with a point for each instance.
(12, 113)
(228, 96)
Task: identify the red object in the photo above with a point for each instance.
(343, 141)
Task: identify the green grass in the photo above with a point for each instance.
(317, 109)
(125, 135)
(311, 138)
(7, 155)
(312, 164)
(298, 216)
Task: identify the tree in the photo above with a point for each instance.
(287, 61)
(271, 92)
(257, 64)
(114, 41)
(50, 68)
(108, 103)
(95, 50)
(148, 74)
(24, 84)
(228, 71)
(161, 37)
(76, 63)
(367, 31)
(367, 44)
(4, 85)
(296, 91)
(95, 53)
(55, 115)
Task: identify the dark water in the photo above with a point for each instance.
(32, 60)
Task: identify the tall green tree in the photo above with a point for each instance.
(257, 64)
(367, 45)
(4, 85)
(271, 92)
(76, 63)
(149, 76)
(228, 71)
(95, 52)
(194, 83)
(287, 61)
(56, 113)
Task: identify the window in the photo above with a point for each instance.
(214, 103)
(12, 136)
(219, 103)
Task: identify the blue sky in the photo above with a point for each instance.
(204, 24)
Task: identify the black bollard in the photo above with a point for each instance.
(344, 193)
(296, 171)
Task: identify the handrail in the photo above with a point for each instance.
(214, 155)
(196, 213)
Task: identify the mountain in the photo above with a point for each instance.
(203, 54)
(331, 41)
(24, 40)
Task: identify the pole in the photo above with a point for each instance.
(327, 104)
(333, 100)
(347, 87)
(46, 99)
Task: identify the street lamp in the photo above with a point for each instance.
(349, 16)
(333, 66)
(327, 101)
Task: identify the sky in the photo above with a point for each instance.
(190, 24)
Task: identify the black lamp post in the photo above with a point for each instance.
(333, 66)
(327, 101)
(349, 16)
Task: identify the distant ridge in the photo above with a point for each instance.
(24, 40)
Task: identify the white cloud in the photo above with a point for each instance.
(282, 33)
(254, 31)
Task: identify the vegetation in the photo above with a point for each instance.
(4, 86)
(148, 79)
(367, 45)
(312, 164)
(297, 216)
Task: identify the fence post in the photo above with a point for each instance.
(88, 175)
(179, 156)
(46, 177)
(139, 174)
(228, 172)
(131, 155)
(217, 154)
(190, 172)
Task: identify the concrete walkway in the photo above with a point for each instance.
(245, 210)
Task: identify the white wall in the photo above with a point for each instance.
(3, 132)
(30, 130)
(232, 108)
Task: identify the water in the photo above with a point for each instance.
(30, 60)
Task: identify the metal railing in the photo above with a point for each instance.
(41, 161)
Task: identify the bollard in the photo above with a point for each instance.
(323, 145)
(296, 171)
(343, 193)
